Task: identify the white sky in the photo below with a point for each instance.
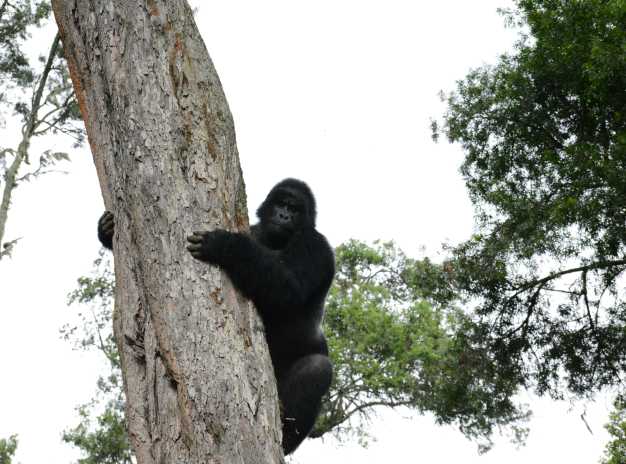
(340, 95)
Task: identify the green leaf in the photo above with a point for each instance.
(544, 137)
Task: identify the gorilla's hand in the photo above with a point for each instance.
(106, 227)
(207, 246)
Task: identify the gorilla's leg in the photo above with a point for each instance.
(300, 390)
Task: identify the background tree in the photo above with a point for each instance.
(397, 338)
(197, 374)
(7, 449)
(615, 452)
(101, 432)
(41, 95)
(544, 135)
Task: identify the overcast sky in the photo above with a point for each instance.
(340, 94)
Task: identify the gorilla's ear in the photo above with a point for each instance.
(264, 211)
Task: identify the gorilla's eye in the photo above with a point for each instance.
(289, 204)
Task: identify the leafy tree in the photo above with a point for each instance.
(7, 449)
(40, 95)
(615, 452)
(103, 439)
(396, 339)
(544, 135)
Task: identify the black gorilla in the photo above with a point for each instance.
(285, 267)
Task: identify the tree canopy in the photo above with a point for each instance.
(101, 432)
(8, 446)
(398, 338)
(41, 95)
(615, 452)
(544, 136)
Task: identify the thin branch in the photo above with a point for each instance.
(557, 290)
(369, 278)
(586, 298)
(44, 118)
(22, 150)
(7, 150)
(529, 312)
(555, 275)
(40, 171)
(361, 407)
(54, 123)
(40, 88)
(584, 419)
(103, 346)
(3, 8)
(73, 132)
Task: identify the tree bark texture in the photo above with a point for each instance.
(198, 379)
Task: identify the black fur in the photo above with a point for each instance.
(285, 267)
(106, 226)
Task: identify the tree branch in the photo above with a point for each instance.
(22, 151)
(555, 275)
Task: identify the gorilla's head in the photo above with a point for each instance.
(288, 208)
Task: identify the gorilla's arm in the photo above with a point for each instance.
(295, 277)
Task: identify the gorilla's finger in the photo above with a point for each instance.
(196, 254)
(194, 239)
(107, 224)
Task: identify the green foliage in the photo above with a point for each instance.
(40, 95)
(615, 452)
(101, 432)
(107, 443)
(20, 80)
(95, 294)
(544, 135)
(7, 449)
(396, 339)
(16, 17)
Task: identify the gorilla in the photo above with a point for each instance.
(285, 266)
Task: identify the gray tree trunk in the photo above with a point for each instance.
(197, 375)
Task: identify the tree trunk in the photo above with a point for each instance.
(198, 378)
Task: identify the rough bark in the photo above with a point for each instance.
(198, 379)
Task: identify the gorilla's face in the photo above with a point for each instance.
(286, 210)
(284, 214)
